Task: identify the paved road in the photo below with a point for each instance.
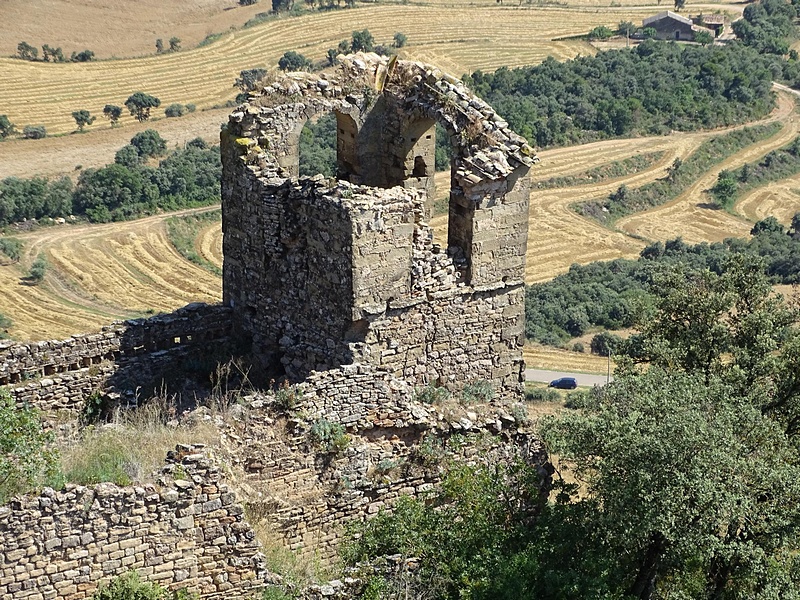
(583, 379)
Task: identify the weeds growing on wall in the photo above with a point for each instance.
(28, 456)
(329, 437)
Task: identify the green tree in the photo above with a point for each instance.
(675, 467)
(159, 45)
(6, 127)
(149, 143)
(293, 61)
(174, 44)
(82, 118)
(626, 28)
(27, 52)
(725, 189)
(28, 458)
(400, 39)
(112, 113)
(362, 41)
(605, 343)
(247, 81)
(703, 37)
(139, 105)
(680, 4)
(50, 53)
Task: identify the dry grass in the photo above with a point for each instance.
(133, 445)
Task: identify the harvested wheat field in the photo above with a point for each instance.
(47, 93)
(691, 216)
(780, 199)
(209, 243)
(556, 359)
(98, 273)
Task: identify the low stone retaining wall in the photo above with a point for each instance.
(189, 532)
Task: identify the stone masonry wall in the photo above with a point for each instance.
(57, 376)
(188, 532)
(305, 492)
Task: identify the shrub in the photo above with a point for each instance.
(129, 586)
(431, 394)
(34, 132)
(11, 247)
(191, 107)
(578, 347)
(329, 437)
(477, 391)
(600, 32)
(85, 56)
(540, 394)
(27, 456)
(38, 269)
(286, 397)
(400, 39)
(176, 110)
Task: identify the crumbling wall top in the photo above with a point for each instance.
(484, 147)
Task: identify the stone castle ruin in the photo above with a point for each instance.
(335, 285)
(321, 273)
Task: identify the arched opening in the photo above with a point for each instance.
(317, 147)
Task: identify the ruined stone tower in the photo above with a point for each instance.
(321, 273)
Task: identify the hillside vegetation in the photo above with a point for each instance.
(614, 295)
(650, 89)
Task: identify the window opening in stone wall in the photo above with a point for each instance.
(420, 168)
(318, 146)
(347, 166)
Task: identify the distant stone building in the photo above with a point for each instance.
(672, 26)
(715, 22)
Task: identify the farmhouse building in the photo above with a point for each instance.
(671, 26)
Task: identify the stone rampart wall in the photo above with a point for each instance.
(58, 375)
(306, 492)
(189, 532)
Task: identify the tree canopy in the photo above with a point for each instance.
(650, 89)
(139, 105)
(686, 471)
